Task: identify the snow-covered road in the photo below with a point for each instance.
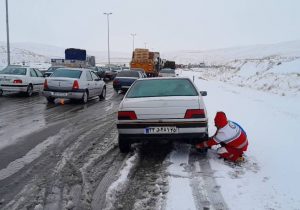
(65, 157)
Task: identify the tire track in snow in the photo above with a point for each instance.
(143, 182)
(205, 188)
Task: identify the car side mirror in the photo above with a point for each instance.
(203, 93)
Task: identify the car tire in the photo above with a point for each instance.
(29, 91)
(1, 93)
(124, 144)
(103, 93)
(85, 97)
(203, 151)
(50, 100)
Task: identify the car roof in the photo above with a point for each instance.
(18, 66)
(80, 69)
(163, 78)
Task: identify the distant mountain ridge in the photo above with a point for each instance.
(221, 56)
(33, 52)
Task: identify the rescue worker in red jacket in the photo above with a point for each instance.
(230, 136)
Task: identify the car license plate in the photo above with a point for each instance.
(59, 94)
(160, 130)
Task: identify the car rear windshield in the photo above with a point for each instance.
(128, 74)
(161, 88)
(52, 69)
(167, 71)
(69, 73)
(14, 71)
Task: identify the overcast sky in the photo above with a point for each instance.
(165, 25)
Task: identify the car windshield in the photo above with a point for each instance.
(167, 71)
(14, 71)
(128, 74)
(70, 73)
(161, 88)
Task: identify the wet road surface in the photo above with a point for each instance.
(55, 156)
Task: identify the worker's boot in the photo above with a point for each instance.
(240, 159)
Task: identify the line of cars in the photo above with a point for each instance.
(72, 83)
(165, 107)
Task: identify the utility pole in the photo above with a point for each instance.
(7, 35)
(133, 35)
(107, 15)
(145, 43)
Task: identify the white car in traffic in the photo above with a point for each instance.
(21, 79)
(74, 83)
(162, 108)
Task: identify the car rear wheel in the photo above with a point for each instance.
(85, 97)
(124, 144)
(50, 100)
(203, 151)
(29, 90)
(103, 94)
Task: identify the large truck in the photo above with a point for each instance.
(76, 58)
(169, 64)
(149, 61)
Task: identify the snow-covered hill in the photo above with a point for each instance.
(272, 68)
(221, 56)
(34, 53)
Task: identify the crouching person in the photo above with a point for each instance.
(230, 136)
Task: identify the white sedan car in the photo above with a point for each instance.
(21, 79)
(162, 108)
(74, 83)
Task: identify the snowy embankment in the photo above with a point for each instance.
(269, 179)
(276, 75)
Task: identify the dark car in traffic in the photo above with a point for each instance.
(100, 71)
(51, 70)
(110, 74)
(125, 79)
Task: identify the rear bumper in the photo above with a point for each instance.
(68, 95)
(121, 87)
(190, 132)
(191, 138)
(14, 88)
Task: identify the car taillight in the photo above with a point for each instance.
(194, 113)
(17, 81)
(75, 85)
(127, 115)
(46, 84)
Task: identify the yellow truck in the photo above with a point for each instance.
(149, 61)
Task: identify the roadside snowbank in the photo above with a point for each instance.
(269, 180)
(276, 75)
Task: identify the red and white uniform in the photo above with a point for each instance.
(232, 138)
